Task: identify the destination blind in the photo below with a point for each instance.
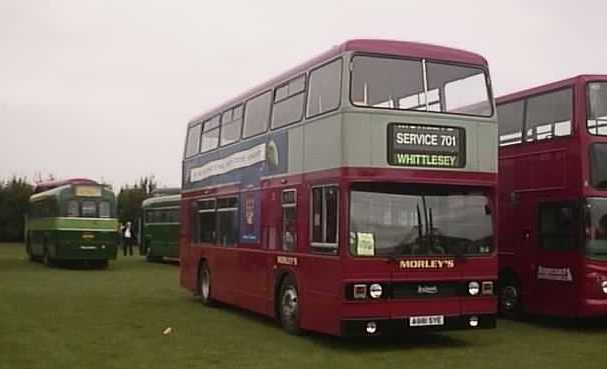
(426, 146)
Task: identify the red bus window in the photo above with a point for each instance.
(324, 219)
(207, 221)
(549, 115)
(289, 220)
(597, 108)
(228, 221)
(559, 226)
(511, 118)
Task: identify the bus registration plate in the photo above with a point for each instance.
(423, 321)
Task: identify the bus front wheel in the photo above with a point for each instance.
(204, 284)
(289, 306)
(510, 305)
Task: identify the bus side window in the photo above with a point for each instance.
(559, 226)
(324, 219)
(207, 221)
(228, 221)
(289, 220)
(73, 209)
(104, 209)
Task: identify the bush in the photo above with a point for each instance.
(14, 199)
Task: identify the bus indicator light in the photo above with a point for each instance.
(360, 291)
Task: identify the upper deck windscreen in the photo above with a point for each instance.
(407, 84)
(597, 108)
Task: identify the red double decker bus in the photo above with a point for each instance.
(552, 189)
(352, 195)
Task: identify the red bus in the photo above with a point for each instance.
(552, 189)
(352, 195)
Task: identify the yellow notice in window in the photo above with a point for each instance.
(366, 244)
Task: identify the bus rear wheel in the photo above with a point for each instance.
(289, 306)
(47, 260)
(510, 305)
(204, 284)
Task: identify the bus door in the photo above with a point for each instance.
(557, 239)
(253, 266)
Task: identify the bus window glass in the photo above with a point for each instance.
(227, 221)
(193, 142)
(387, 83)
(324, 219)
(207, 221)
(597, 108)
(558, 226)
(596, 228)
(257, 115)
(289, 220)
(288, 105)
(391, 83)
(598, 169)
(510, 123)
(392, 221)
(549, 115)
(73, 208)
(231, 125)
(324, 89)
(104, 209)
(317, 215)
(210, 135)
(89, 209)
(462, 90)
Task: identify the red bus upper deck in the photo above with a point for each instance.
(552, 188)
(352, 195)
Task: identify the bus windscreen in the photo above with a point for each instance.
(404, 84)
(418, 223)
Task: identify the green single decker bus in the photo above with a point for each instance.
(161, 226)
(73, 220)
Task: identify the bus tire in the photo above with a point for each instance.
(510, 305)
(46, 259)
(289, 307)
(28, 250)
(103, 264)
(204, 284)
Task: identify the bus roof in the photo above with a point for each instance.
(166, 191)
(49, 193)
(583, 78)
(159, 200)
(45, 186)
(373, 46)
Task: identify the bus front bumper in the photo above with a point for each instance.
(386, 326)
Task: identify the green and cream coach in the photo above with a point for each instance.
(73, 222)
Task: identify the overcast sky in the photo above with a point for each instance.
(104, 89)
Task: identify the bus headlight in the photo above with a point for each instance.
(473, 288)
(371, 327)
(473, 321)
(604, 287)
(375, 290)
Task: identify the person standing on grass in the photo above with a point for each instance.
(127, 239)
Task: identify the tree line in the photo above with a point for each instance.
(14, 204)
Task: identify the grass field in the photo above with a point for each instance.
(75, 318)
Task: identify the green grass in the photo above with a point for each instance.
(75, 318)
